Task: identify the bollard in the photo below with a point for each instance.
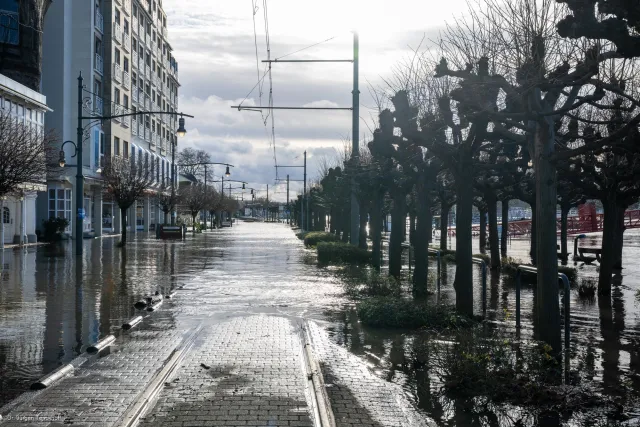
(101, 345)
(170, 295)
(54, 376)
(483, 266)
(518, 283)
(132, 323)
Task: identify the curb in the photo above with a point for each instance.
(320, 399)
(132, 323)
(101, 345)
(53, 377)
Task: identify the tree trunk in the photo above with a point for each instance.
(483, 231)
(332, 221)
(412, 228)
(463, 283)
(444, 226)
(504, 235)
(376, 230)
(534, 236)
(493, 233)
(362, 237)
(123, 225)
(346, 226)
(564, 213)
(193, 223)
(421, 246)
(546, 251)
(619, 240)
(398, 226)
(608, 240)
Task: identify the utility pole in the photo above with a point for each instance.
(355, 144)
(267, 215)
(205, 196)
(288, 211)
(304, 195)
(79, 175)
(230, 214)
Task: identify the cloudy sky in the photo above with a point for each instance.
(214, 43)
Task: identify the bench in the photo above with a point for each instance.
(582, 254)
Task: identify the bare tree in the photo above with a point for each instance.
(25, 154)
(167, 202)
(193, 200)
(192, 161)
(126, 182)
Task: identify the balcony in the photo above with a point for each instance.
(99, 21)
(147, 134)
(127, 42)
(134, 59)
(126, 6)
(134, 24)
(117, 72)
(98, 64)
(147, 71)
(126, 121)
(126, 80)
(116, 110)
(134, 126)
(97, 105)
(117, 32)
(147, 102)
(134, 94)
(141, 129)
(154, 48)
(165, 33)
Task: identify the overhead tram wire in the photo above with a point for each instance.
(254, 5)
(268, 42)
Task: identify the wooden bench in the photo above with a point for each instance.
(589, 259)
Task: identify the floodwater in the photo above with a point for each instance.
(52, 307)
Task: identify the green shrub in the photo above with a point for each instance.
(509, 266)
(301, 235)
(484, 257)
(396, 312)
(312, 239)
(369, 284)
(53, 229)
(338, 252)
(570, 272)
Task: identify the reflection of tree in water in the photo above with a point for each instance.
(611, 327)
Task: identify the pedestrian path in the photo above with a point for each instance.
(246, 371)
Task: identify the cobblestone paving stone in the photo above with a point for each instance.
(358, 397)
(97, 394)
(245, 371)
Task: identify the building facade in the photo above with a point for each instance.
(127, 65)
(17, 212)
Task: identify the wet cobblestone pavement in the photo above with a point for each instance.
(249, 290)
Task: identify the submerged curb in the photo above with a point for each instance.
(322, 405)
(53, 377)
(101, 345)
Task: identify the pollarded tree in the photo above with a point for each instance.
(126, 182)
(193, 200)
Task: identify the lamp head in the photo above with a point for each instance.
(62, 160)
(181, 129)
(227, 173)
(243, 186)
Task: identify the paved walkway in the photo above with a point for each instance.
(247, 308)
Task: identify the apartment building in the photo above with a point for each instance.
(127, 64)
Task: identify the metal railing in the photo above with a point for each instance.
(98, 64)
(134, 127)
(134, 24)
(99, 21)
(135, 59)
(126, 80)
(134, 94)
(117, 32)
(127, 42)
(98, 105)
(117, 72)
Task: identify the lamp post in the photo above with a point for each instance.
(227, 173)
(181, 131)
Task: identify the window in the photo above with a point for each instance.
(117, 17)
(116, 95)
(6, 215)
(60, 204)
(125, 101)
(97, 88)
(9, 22)
(125, 149)
(134, 45)
(98, 46)
(117, 55)
(126, 64)
(116, 146)
(101, 149)
(126, 27)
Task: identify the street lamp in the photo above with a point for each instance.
(62, 161)
(227, 173)
(181, 130)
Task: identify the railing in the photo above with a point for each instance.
(147, 102)
(134, 94)
(99, 21)
(98, 65)
(126, 121)
(117, 110)
(127, 6)
(147, 71)
(134, 24)
(117, 32)
(165, 33)
(134, 126)
(127, 42)
(98, 105)
(117, 72)
(126, 80)
(134, 59)
(141, 129)
(153, 79)
(147, 134)
(154, 48)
